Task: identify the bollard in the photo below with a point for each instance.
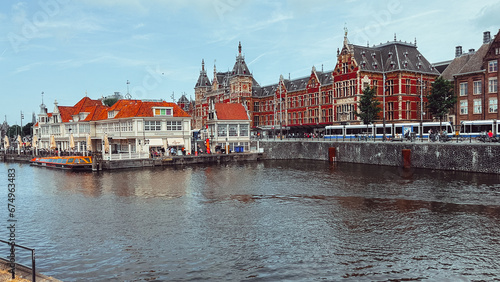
(406, 158)
(332, 154)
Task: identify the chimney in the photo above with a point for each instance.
(471, 51)
(458, 51)
(486, 37)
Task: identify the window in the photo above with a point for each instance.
(492, 66)
(493, 105)
(390, 87)
(154, 125)
(492, 85)
(464, 107)
(408, 85)
(84, 128)
(477, 87)
(497, 51)
(463, 89)
(233, 130)
(477, 106)
(175, 125)
(163, 111)
(243, 129)
(222, 130)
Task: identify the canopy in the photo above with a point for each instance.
(53, 145)
(175, 141)
(6, 142)
(35, 141)
(89, 143)
(106, 143)
(19, 140)
(71, 141)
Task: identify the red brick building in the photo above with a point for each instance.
(310, 103)
(475, 76)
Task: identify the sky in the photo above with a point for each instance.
(69, 49)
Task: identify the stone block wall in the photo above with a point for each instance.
(472, 157)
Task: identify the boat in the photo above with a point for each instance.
(66, 162)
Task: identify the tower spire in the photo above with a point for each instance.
(239, 48)
(202, 65)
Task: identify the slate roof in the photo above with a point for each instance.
(203, 80)
(325, 78)
(475, 63)
(240, 67)
(230, 111)
(391, 56)
(455, 66)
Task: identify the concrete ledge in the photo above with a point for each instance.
(25, 272)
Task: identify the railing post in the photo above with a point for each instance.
(33, 266)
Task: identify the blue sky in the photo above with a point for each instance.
(67, 48)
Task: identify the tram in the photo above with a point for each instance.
(476, 128)
(392, 130)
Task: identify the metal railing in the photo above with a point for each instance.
(33, 265)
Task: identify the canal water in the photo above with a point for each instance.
(261, 221)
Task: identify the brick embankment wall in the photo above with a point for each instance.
(471, 157)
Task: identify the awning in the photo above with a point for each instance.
(175, 141)
(155, 142)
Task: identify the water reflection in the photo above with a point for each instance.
(271, 221)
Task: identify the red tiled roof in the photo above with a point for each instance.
(66, 113)
(231, 111)
(125, 108)
(137, 108)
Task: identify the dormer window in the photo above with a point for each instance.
(111, 114)
(162, 111)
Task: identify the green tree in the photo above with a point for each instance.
(369, 106)
(14, 131)
(109, 101)
(27, 129)
(441, 99)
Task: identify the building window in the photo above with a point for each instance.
(477, 87)
(244, 130)
(233, 130)
(222, 130)
(463, 89)
(153, 125)
(256, 107)
(390, 87)
(493, 85)
(497, 51)
(464, 107)
(493, 105)
(493, 66)
(408, 86)
(163, 111)
(477, 106)
(175, 125)
(84, 128)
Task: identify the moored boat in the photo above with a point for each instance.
(66, 162)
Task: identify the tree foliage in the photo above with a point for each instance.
(109, 101)
(14, 131)
(369, 106)
(27, 129)
(441, 99)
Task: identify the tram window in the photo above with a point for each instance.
(87, 160)
(337, 131)
(71, 160)
(354, 131)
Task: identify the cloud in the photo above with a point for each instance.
(488, 16)
(26, 68)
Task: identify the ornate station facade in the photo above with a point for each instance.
(310, 103)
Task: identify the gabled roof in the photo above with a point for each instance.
(475, 63)
(392, 56)
(66, 113)
(84, 103)
(230, 111)
(455, 66)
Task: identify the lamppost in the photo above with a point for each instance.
(383, 107)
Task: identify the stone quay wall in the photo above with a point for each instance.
(471, 157)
